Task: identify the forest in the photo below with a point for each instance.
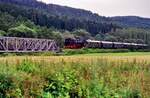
(33, 19)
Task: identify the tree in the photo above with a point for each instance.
(67, 35)
(99, 36)
(136, 35)
(110, 38)
(22, 31)
(44, 32)
(55, 18)
(6, 21)
(82, 33)
(2, 33)
(58, 38)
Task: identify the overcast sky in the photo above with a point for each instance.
(109, 7)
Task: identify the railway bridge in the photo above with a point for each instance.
(16, 44)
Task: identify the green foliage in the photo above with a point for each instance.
(67, 35)
(2, 33)
(6, 21)
(132, 35)
(23, 21)
(99, 90)
(58, 38)
(22, 27)
(19, 21)
(6, 83)
(22, 31)
(88, 51)
(111, 38)
(57, 17)
(100, 36)
(9, 85)
(27, 66)
(127, 93)
(44, 32)
(97, 79)
(62, 84)
(82, 33)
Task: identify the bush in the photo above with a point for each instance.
(6, 83)
(22, 31)
(62, 84)
(87, 51)
(2, 33)
(29, 54)
(8, 86)
(27, 66)
(128, 93)
(94, 78)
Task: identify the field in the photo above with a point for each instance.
(97, 75)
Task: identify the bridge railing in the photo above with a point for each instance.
(15, 44)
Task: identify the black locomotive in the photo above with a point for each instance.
(80, 43)
(77, 43)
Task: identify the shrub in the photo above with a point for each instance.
(75, 77)
(8, 87)
(87, 51)
(62, 84)
(6, 83)
(27, 66)
(128, 93)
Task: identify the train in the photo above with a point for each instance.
(71, 43)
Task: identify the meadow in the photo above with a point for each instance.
(96, 75)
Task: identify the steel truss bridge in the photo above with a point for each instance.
(15, 44)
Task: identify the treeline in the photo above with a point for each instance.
(20, 20)
(131, 35)
(58, 10)
(22, 27)
(80, 14)
(43, 18)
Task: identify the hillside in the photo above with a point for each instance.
(51, 16)
(132, 21)
(82, 14)
(58, 10)
(30, 18)
(67, 18)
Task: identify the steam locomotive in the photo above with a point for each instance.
(80, 43)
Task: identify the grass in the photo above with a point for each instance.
(89, 51)
(98, 75)
(118, 54)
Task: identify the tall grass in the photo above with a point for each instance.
(74, 77)
(88, 50)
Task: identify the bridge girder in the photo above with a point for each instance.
(15, 44)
